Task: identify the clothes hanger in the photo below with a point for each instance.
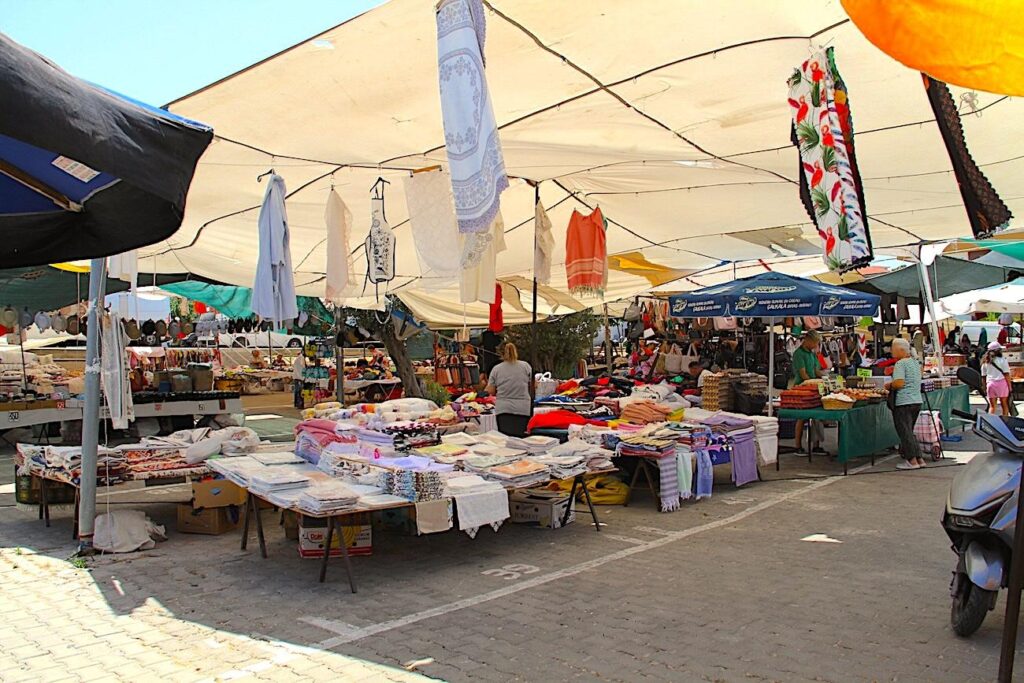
(261, 176)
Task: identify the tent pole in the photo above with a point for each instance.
(91, 414)
(339, 357)
(922, 269)
(771, 363)
(607, 342)
(533, 323)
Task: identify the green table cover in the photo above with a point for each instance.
(869, 429)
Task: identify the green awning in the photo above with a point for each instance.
(948, 275)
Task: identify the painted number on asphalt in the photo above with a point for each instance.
(511, 572)
(13, 416)
(201, 407)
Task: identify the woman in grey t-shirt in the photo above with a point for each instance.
(509, 382)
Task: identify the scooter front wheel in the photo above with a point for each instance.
(970, 606)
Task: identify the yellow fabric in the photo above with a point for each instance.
(970, 43)
(73, 266)
(636, 263)
(604, 489)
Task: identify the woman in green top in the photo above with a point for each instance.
(906, 382)
(806, 366)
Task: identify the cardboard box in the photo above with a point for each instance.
(358, 534)
(216, 493)
(542, 508)
(210, 521)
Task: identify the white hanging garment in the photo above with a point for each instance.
(114, 371)
(379, 246)
(435, 230)
(340, 276)
(477, 282)
(544, 246)
(470, 133)
(124, 266)
(273, 291)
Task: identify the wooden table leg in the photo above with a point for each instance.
(44, 504)
(259, 527)
(248, 514)
(74, 528)
(327, 547)
(650, 482)
(348, 563)
(632, 482)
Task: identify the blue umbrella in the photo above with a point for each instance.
(85, 172)
(772, 295)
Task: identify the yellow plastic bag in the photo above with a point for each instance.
(604, 489)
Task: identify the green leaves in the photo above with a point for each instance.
(820, 201)
(808, 136)
(828, 158)
(794, 79)
(843, 228)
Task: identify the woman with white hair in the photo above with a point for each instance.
(906, 384)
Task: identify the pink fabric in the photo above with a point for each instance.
(998, 388)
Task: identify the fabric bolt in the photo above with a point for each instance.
(830, 186)
(340, 280)
(114, 371)
(985, 210)
(543, 245)
(477, 281)
(433, 517)
(586, 254)
(705, 474)
(379, 246)
(668, 476)
(435, 230)
(273, 291)
(470, 132)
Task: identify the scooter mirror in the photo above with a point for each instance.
(971, 378)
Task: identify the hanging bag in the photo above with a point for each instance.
(726, 323)
(632, 313)
(674, 360)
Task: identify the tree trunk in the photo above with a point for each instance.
(396, 349)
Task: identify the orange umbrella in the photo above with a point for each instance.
(971, 43)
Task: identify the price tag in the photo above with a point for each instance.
(864, 372)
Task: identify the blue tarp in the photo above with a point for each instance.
(772, 295)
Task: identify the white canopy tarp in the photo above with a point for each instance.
(670, 115)
(1006, 298)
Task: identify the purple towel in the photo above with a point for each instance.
(744, 459)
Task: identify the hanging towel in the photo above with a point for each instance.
(477, 282)
(544, 246)
(114, 372)
(830, 185)
(482, 508)
(497, 320)
(985, 210)
(273, 291)
(705, 475)
(435, 230)
(744, 458)
(470, 133)
(684, 466)
(433, 517)
(340, 276)
(379, 246)
(586, 255)
(669, 480)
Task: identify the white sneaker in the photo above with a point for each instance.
(905, 465)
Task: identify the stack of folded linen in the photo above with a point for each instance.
(238, 470)
(276, 458)
(460, 483)
(644, 412)
(520, 474)
(459, 439)
(279, 478)
(481, 464)
(645, 446)
(533, 445)
(444, 452)
(562, 466)
(328, 497)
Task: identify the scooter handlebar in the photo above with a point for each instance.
(962, 414)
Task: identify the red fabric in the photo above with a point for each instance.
(1004, 335)
(568, 385)
(200, 307)
(942, 337)
(556, 419)
(497, 322)
(603, 381)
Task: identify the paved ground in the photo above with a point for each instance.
(722, 590)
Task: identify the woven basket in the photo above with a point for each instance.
(835, 404)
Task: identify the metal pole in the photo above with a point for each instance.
(1009, 644)
(91, 414)
(926, 286)
(607, 342)
(339, 357)
(533, 323)
(771, 363)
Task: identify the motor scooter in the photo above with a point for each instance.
(981, 513)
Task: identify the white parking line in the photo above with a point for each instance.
(346, 633)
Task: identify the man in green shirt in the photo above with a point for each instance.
(805, 367)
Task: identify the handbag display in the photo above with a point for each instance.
(632, 313)
(674, 360)
(726, 323)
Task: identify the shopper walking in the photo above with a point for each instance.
(906, 403)
(509, 382)
(996, 372)
(298, 376)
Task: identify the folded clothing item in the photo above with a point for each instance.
(331, 496)
(555, 419)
